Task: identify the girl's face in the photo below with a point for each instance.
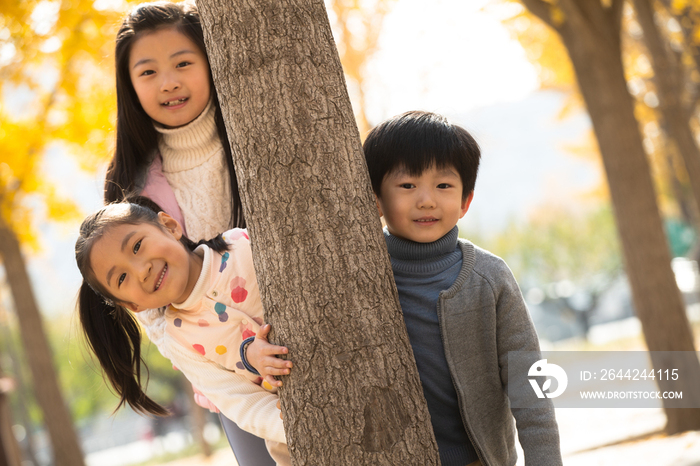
(144, 266)
(170, 75)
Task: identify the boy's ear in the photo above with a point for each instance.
(379, 206)
(172, 225)
(466, 203)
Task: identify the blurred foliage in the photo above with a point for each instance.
(556, 244)
(57, 89)
(85, 390)
(680, 24)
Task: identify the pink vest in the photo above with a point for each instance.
(158, 190)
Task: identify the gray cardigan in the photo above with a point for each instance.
(482, 317)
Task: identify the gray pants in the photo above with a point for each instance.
(248, 449)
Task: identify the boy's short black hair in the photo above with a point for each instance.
(416, 141)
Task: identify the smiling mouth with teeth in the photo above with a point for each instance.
(174, 102)
(160, 279)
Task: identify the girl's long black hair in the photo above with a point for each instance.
(137, 138)
(111, 330)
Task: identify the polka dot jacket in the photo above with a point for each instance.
(224, 308)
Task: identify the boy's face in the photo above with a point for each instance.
(422, 208)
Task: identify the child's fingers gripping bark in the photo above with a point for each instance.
(263, 357)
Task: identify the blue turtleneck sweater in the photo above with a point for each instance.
(421, 272)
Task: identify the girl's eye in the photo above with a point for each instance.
(137, 246)
(183, 64)
(147, 73)
(121, 279)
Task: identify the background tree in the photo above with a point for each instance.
(354, 396)
(11, 364)
(51, 53)
(674, 107)
(9, 449)
(687, 17)
(591, 32)
(547, 53)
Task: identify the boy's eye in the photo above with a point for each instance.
(443, 185)
(137, 246)
(406, 185)
(121, 279)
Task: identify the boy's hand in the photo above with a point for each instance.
(262, 356)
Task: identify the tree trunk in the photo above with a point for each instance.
(66, 449)
(669, 86)
(354, 396)
(686, 14)
(684, 199)
(21, 386)
(10, 454)
(591, 34)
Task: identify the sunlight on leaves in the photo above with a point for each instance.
(57, 88)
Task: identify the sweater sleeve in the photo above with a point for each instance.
(537, 427)
(250, 406)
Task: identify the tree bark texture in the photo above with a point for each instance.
(669, 85)
(64, 441)
(591, 34)
(354, 396)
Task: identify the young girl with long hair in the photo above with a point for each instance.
(133, 259)
(169, 123)
(171, 143)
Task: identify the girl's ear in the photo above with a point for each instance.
(131, 306)
(172, 225)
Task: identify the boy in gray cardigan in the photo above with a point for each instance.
(463, 309)
(462, 306)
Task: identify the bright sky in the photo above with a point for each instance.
(447, 56)
(450, 57)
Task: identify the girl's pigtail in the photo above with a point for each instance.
(115, 338)
(218, 243)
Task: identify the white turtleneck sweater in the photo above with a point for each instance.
(194, 165)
